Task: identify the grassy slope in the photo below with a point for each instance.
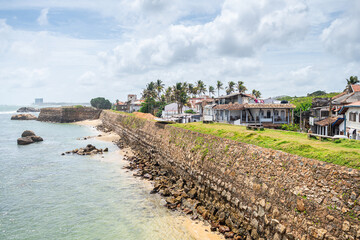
(346, 152)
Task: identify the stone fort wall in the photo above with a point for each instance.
(267, 193)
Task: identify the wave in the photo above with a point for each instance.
(8, 112)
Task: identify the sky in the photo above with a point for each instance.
(72, 51)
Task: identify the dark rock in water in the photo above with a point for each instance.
(25, 116)
(28, 133)
(88, 150)
(28, 109)
(28, 137)
(37, 138)
(24, 141)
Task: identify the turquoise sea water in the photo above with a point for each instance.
(44, 195)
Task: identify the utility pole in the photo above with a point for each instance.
(330, 115)
(300, 121)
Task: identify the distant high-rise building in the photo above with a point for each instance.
(39, 101)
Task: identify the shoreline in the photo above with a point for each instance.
(198, 229)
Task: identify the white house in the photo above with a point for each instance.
(240, 108)
(351, 124)
(172, 109)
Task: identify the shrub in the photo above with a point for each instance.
(190, 111)
(290, 127)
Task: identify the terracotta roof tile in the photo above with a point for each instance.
(354, 104)
(269, 105)
(237, 106)
(356, 87)
(326, 121)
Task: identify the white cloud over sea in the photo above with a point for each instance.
(76, 50)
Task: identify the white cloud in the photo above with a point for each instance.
(87, 79)
(241, 29)
(43, 18)
(342, 37)
(273, 46)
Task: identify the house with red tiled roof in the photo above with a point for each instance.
(245, 109)
(329, 118)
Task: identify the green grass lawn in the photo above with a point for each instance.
(343, 152)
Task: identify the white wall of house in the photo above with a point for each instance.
(353, 124)
(172, 109)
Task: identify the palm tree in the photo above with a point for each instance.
(150, 91)
(351, 81)
(159, 86)
(230, 87)
(169, 95)
(240, 87)
(180, 91)
(211, 90)
(219, 86)
(201, 87)
(191, 89)
(256, 93)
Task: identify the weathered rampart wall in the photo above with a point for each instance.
(269, 194)
(68, 114)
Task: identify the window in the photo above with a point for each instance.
(268, 114)
(283, 114)
(352, 117)
(359, 117)
(276, 112)
(324, 114)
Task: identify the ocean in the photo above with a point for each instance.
(44, 195)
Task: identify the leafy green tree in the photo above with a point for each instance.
(211, 90)
(230, 87)
(256, 93)
(316, 93)
(219, 86)
(148, 105)
(241, 87)
(100, 103)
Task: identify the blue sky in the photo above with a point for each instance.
(76, 50)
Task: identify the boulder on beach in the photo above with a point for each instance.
(28, 137)
(25, 116)
(28, 109)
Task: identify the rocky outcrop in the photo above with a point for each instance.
(28, 109)
(88, 150)
(68, 114)
(244, 191)
(25, 116)
(28, 137)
